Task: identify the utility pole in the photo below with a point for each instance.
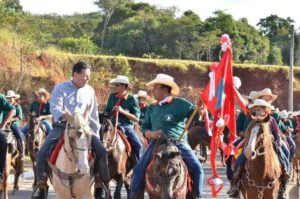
(291, 73)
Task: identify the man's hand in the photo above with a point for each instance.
(153, 134)
(119, 109)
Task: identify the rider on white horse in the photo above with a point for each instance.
(71, 97)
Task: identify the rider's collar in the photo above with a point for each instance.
(123, 97)
(166, 100)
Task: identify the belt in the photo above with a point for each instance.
(60, 123)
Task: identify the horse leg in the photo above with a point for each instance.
(34, 172)
(17, 175)
(117, 194)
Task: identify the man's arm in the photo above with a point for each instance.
(56, 104)
(7, 119)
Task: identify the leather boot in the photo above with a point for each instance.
(102, 178)
(41, 190)
(282, 188)
(234, 193)
(21, 155)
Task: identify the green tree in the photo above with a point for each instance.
(12, 4)
(275, 56)
(78, 45)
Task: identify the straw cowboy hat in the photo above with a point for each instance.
(141, 93)
(121, 79)
(12, 94)
(265, 92)
(43, 91)
(284, 114)
(165, 80)
(261, 102)
(251, 95)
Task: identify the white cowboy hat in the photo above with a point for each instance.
(264, 92)
(165, 80)
(296, 113)
(142, 93)
(121, 79)
(283, 114)
(11, 93)
(261, 102)
(251, 95)
(44, 92)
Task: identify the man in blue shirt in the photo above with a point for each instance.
(71, 97)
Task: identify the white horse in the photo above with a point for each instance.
(71, 173)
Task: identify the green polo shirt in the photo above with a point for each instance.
(143, 114)
(43, 110)
(242, 123)
(170, 117)
(130, 103)
(5, 106)
(18, 114)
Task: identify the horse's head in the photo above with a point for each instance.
(105, 122)
(258, 134)
(169, 168)
(36, 133)
(78, 139)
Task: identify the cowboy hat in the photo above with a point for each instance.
(265, 92)
(12, 94)
(165, 80)
(250, 96)
(296, 113)
(237, 82)
(283, 114)
(121, 79)
(141, 93)
(261, 102)
(43, 91)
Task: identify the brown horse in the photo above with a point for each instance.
(11, 162)
(198, 137)
(167, 175)
(118, 156)
(34, 140)
(262, 169)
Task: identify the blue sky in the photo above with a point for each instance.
(253, 10)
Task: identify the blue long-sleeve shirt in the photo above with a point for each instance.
(67, 97)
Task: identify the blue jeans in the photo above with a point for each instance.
(3, 150)
(189, 157)
(134, 140)
(17, 132)
(51, 141)
(46, 123)
(292, 146)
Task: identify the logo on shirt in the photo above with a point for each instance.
(168, 118)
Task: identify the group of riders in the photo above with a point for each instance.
(167, 116)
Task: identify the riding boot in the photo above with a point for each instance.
(101, 175)
(21, 155)
(41, 190)
(234, 192)
(101, 189)
(282, 188)
(231, 186)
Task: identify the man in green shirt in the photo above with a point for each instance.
(125, 106)
(142, 99)
(15, 122)
(4, 106)
(167, 116)
(41, 108)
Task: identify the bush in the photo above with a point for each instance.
(81, 45)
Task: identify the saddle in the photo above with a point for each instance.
(122, 135)
(57, 148)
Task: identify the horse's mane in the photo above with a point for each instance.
(80, 122)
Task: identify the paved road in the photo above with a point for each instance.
(26, 182)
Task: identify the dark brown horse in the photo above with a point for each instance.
(118, 156)
(167, 175)
(34, 140)
(12, 161)
(262, 169)
(199, 139)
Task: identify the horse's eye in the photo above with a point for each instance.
(79, 133)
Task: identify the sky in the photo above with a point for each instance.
(253, 10)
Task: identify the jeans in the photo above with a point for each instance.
(189, 158)
(3, 150)
(51, 141)
(46, 123)
(17, 132)
(292, 146)
(134, 140)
